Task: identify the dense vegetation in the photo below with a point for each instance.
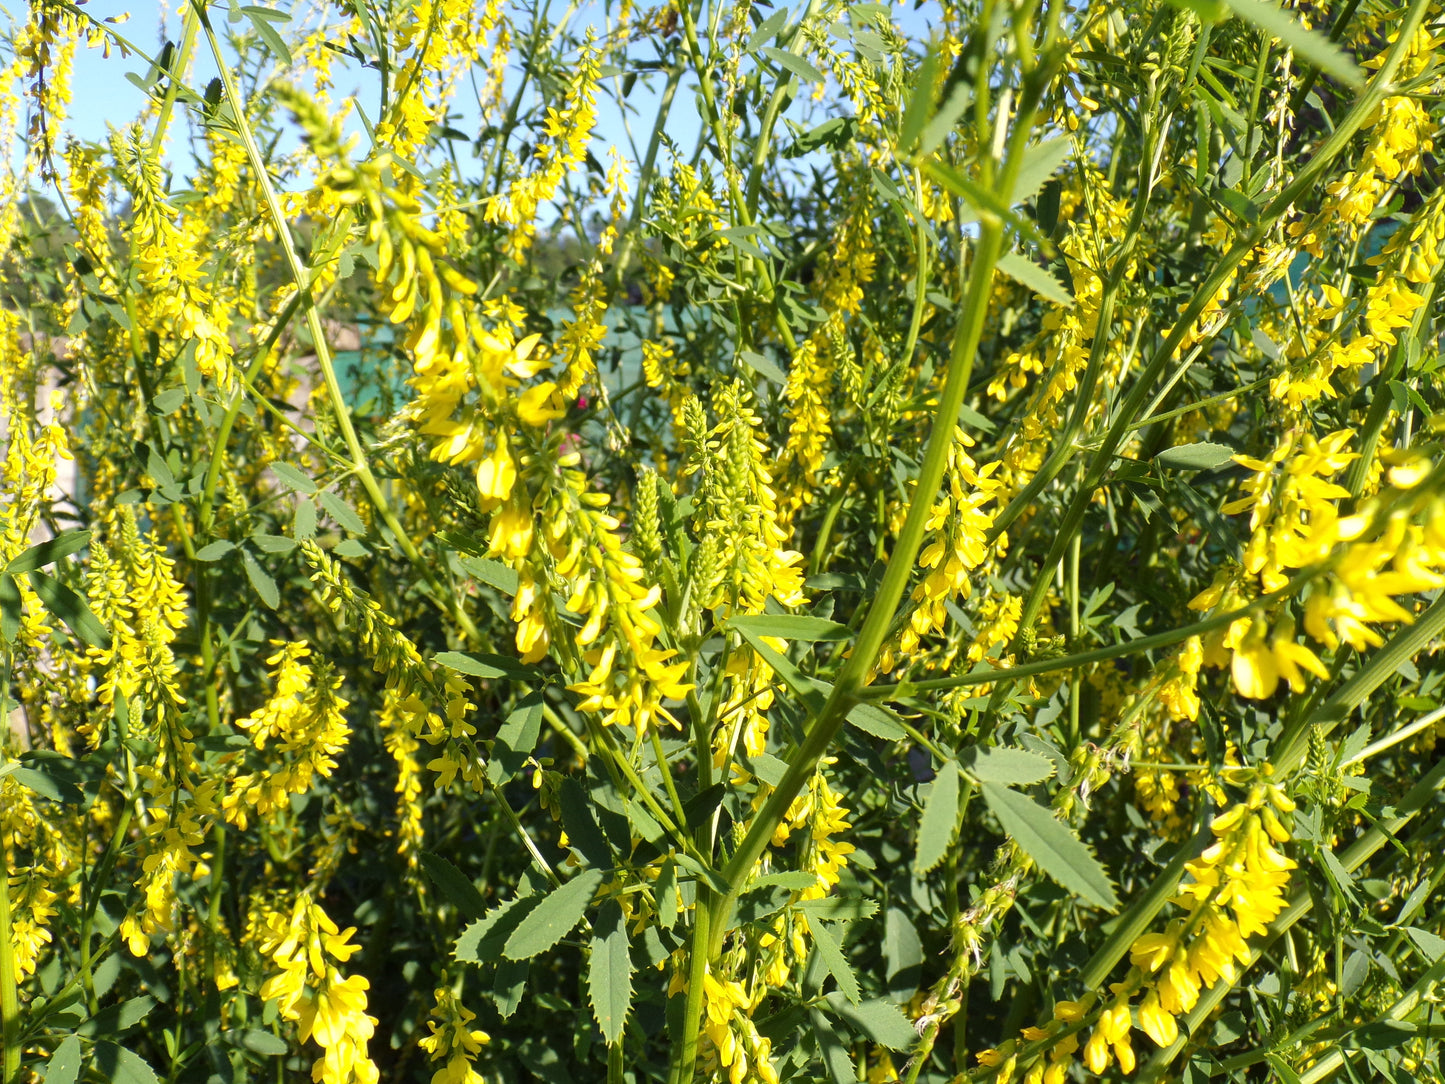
(921, 562)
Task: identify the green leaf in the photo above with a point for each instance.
(940, 819)
(768, 30)
(553, 918)
(794, 63)
(1051, 844)
(9, 608)
(273, 543)
(1431, 946)
(915, 114)
(516, 739)
(792, 880)
(1040, 162)
(45, 785)
(454, 885)
(944, 121)
(1309, 44)
(876, 720)
(292, 478)
(342, 513)
(38, 556)
(839, 908)
(261, 580)
(830, 952)
(303, 523)
(70, 608)
(1201, 456)
(609, 973)
(121, 1066)
(64, 1064)
(1027, 273)
(260, 1042)
(117, 1018)
(214, 551)
(878, 1019)
(835, 1052)
(261, 19)
(763, 367)
(582, 831)
(812, 693)
(793, 627)
(492, 573)
(510, 984)
(485, 665)
(481, 942)
(1010, 766)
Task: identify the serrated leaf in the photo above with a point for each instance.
(876, 720)
(763, 367)
(117, 1018)
(342, 513)
(69, 607)
(839, 908)
(121, 1066)
(1027, 273)
(492, 573)
(1431, 946)
(49, 551)
(214, 551)
(940, 819)
(293, 478)
(1201, 456)
(516, 740)
(303, 523)
(878, 1019)
(481, 942)
(835, 1053)
(261, 580)
(454, 885)
(1051, 844)
(1010, 766)
(64, 1065)
(1040, 162)
(792, 880)
(553, 918)
(581, 826)
(830, 952)
(273, 543)
(794, 63)
(609, 972)
(510, 984)
(793, 627)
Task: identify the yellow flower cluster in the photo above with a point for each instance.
(565, 133)
(728, 1028)
(306, 948)
(453, 1041)
(958, 527)
(1378, 557)
(304, 718)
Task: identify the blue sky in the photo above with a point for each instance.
(104, 96)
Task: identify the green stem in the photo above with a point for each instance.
(9, 978)
(302, 277)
